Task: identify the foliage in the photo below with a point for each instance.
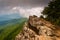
(53, 12)
(9, 32)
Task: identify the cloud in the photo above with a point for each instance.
(23, 7)
(27, 12)
(23, 3)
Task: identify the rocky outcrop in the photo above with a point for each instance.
(37, 29)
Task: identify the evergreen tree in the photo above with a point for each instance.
(53, 12)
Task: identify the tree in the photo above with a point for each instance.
(53, 12)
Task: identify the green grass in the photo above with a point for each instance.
(10, 31)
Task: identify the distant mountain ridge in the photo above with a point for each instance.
(9, 29)
(12, 21)
(4, 17)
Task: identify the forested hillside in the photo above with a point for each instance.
(11, 28)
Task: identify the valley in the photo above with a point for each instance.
(9, 29)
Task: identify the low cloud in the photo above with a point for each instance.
(24, 7)
(27, 12)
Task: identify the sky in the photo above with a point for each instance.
(24, 8)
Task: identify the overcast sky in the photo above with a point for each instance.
(23, 7)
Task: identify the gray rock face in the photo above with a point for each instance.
(37, 29)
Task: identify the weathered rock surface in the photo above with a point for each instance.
(37, 29)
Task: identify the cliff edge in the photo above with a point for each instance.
(37, 28)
